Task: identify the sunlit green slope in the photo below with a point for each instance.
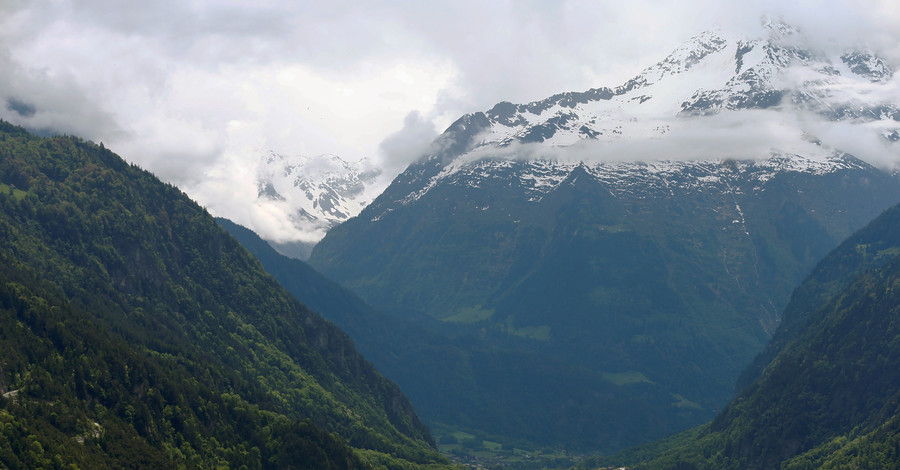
(134, 332)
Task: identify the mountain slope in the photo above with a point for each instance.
(132, 321)
(867, 249)
(649, 233)
(828, 398)
(678, 291)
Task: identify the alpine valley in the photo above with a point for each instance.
(135, 333)
(632, 248)
(575, 275)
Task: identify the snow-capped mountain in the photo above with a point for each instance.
(317, 193)
(713, 90)
(711, 73)
(718, 96)
(650, 233)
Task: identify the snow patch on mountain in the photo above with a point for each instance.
(315, 193)
(537, 178)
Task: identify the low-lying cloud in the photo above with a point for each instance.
(408, 144)
(739, 135)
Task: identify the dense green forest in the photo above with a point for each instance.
(829, 396)
(136, 333)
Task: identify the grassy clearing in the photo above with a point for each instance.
(682, 402)
(541, 333)
(630, 377)
(890, 252)
(470, 315)
(18, 194)
(491, 445)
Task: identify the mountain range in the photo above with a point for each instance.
(715, 73)
(649, 235)
(457, 383)
(710, 74)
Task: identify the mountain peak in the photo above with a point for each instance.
(709, 74)
(317, 192)
(681, 59)
(777, 28)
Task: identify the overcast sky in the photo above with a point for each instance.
(194, 89)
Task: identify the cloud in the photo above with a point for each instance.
(461, 56)
(51, 104)
(740, 135)
(408, 144)
(862, 140)
(21, 108)
(190, 90)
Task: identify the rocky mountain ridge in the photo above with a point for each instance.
(711, 73)
(537, 178)
(713, 88)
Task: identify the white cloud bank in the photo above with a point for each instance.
(196, 90)
(739, 135)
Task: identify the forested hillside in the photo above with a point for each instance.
(134, 332)
(829, 396)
